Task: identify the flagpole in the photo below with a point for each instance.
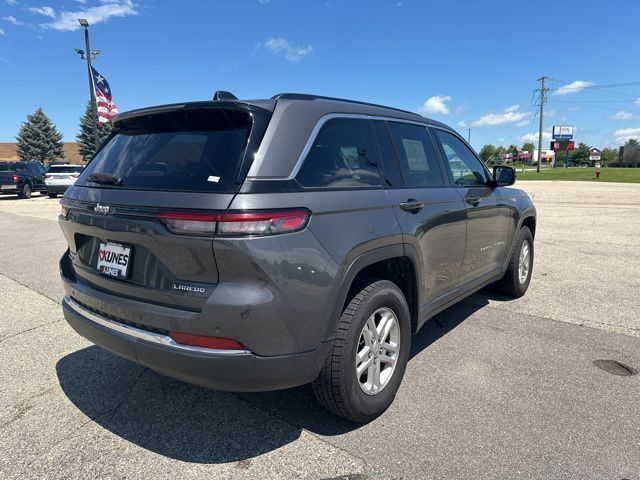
(94, 108)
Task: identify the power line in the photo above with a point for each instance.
(543, 91)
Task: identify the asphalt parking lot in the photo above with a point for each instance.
(494, 388)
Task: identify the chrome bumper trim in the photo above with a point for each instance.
(141, 334)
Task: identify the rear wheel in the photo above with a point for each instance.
(25, 192)
(365, 365)
(518, 275)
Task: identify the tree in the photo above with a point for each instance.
(38, 139)
(488, 153)
(630, 142)
(609, 156)
(86, 145)
(580, 154)
(528, 147)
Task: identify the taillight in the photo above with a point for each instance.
(217, 343)
(190, 222)
(16, 178)
(243, 223)
(64, 206)
(262, 223)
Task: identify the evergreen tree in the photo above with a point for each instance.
(38, 139)
(85, 136)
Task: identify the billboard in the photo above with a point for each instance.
(562, 132)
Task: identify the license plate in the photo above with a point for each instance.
(7, 187)
(114, 259)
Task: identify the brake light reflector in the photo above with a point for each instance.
(262, 223)
(203, 341)
(243, 223)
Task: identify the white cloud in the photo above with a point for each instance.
(11, 2)
(637, 102)
(624, 134)
(573, 87)
(533, 137)
(622, 115)
(291, 52)
(46, 11)
(463, 124)
(13, 20)
(2, 34)
(510, 114)
(263, 2)
(436, 104)
(523, 123)
(68, 20)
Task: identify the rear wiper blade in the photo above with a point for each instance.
(107, 178)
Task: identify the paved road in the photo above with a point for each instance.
(494, 389)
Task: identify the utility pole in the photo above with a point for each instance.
(469, 136)
(89, 55)
(542, 91)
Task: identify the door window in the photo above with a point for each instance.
(465, 167)
(343, 154)
(416, 155)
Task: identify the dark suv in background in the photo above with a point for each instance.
(252, 245)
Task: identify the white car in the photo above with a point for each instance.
(60, 177)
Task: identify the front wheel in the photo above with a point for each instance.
(370, 351)
(53, 194)
(518, 275)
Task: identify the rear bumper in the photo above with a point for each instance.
(235, 370)
(57, 188)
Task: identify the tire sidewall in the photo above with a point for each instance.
(525, 235)
(371, 406)
(26, 191)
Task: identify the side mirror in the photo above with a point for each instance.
(504, 176)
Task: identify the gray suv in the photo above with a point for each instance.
(251, 245)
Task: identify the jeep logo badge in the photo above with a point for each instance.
(103, 209)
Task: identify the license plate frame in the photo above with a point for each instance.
(114, 259)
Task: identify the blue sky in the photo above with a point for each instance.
(471, 64)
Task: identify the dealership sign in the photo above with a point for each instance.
(562, 132)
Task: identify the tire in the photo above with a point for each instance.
(339, 388)
(511, 283)
(25, 192)
(53, 194)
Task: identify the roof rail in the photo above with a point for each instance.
(305, 96)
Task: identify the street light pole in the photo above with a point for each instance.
(94, 110)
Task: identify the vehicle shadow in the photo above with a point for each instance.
(193, 424)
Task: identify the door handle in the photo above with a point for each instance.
(412, 205)
(473, 200)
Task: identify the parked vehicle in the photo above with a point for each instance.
(60, 177)
(22, 178)
(260, 245)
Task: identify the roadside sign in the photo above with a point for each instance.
(562, 132)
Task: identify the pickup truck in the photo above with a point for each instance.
(22, 178)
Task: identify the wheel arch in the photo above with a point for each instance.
(395, 263)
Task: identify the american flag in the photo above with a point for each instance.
(106, 108)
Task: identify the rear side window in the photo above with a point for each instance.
(416, 155)
(194, 150)
(343, 154)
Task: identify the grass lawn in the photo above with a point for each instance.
(623, 175)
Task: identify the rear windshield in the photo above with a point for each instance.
(7, 167)
(64, 169)
(195, 150)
